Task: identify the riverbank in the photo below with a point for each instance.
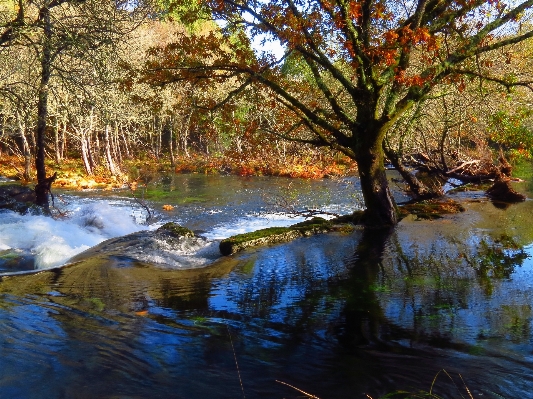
(72, 175)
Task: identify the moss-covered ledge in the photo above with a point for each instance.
(273, 235)
(429, 209)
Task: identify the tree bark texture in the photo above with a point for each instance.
(41, 189)
(381, 208)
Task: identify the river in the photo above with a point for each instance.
(336, 315)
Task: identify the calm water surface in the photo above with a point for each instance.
(338, 316)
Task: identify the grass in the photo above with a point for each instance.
(463, 393)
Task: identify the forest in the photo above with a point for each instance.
(97, 91)
(266, 199)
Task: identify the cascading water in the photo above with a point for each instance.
(51, 242)
(30, 242)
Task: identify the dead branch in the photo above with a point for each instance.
(140, 201)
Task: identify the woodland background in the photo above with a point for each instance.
(109, 118)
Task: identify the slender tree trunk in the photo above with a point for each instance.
(94, 155)
(2, 132)
(117, 153)
(171, 141)
(57, 141)
(90, 152)
(381, 208)
(88, 143)
(42, 188)
(160, 138)
(25, 148)
(126, 146)
(109, 158)
(185, 134)
(63, 139)
(85, 154)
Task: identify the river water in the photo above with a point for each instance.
(337, 316)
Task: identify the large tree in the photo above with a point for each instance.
(363, 64)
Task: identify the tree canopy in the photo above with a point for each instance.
(367, 62)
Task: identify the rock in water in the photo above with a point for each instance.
(171, 246)
(16, 197)
(502, 191)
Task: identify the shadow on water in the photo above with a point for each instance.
(339, 316)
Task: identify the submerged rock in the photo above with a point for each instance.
(13, 260)
(16, 198)
(273, 235)
(431, 209)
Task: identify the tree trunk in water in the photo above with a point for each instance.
(362, 312)
(419, 189)
(42, 187)
(380, 205)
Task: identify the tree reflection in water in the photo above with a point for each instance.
(337, 316)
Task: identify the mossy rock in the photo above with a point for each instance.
(470, 187)
(176, 230)
(274, 235)
(14, 260)
(313, 226)
(355, 218)
(431, 209)
(17, 198)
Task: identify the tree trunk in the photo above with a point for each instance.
(125, 139)
(42, 187)
(109, 158)
(171, 141)
(184, 135)
(362, 311)
(85, 154)
(63, 139)
(25, 148)
(380, 205)
(117, 153)
(419, 189)
(57, 142)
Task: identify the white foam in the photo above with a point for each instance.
(251, 223)
(189, 253)
(53, 242)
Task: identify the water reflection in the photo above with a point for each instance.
(336, 315)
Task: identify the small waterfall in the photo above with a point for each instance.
(52, 242)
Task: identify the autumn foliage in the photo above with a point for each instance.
(357, 67)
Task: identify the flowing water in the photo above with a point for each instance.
(338, 316)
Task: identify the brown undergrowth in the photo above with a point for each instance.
(71, 174)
